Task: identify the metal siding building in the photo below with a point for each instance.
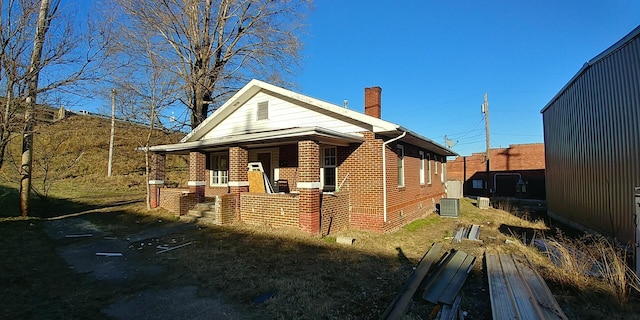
(592, 143)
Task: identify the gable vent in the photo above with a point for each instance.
(263, 110)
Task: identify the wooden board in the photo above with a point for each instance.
(517, 290)
(547, 304)
(256, 181)
(433, 292)
(449, 294)
(398, 307)
(502, 304)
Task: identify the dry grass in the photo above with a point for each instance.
(310, 277)
(592, 262)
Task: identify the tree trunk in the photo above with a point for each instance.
(32, 89)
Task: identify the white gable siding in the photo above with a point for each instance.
(282, 115)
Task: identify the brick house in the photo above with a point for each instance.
(331, 167)
(516, 171)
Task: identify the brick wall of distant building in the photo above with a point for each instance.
(527, 160)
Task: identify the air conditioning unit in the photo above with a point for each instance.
(483, 203)
(449, 207)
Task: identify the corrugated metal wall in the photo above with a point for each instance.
(592, 144)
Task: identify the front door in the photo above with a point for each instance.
(265, 159)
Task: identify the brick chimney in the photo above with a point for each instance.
(372, 101)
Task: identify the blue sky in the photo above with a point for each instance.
(435, 60)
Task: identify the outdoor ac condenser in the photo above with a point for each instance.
(449, 207)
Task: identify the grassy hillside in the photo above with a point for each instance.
(77, 147)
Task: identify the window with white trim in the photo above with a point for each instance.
(263, 110)
(400, 166)
(443, 175)
(421, 167)
(429, 170)
(328, 172)
(219, 169)
(435, 163)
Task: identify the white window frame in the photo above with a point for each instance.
(262, 111)
(218, 177)
(435, 163)
(443, 172)
(327, 164)
(421, 167)
(429, 170)
(401, 166)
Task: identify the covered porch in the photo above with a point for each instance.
(300, 164)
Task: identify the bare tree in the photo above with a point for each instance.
(145, 91)
(215, 45)
(44, 22)
(16, 17)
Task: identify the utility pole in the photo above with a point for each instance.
(485, 111)
(113, 128)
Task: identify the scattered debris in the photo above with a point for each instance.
(82, 235)
(109, 254)
(469, 233)
(176, 247)
(345, 240)
(400, 303)
(443, 285)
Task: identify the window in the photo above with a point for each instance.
(477, 184)
(219, 169)
(400, 166)
(328, 171)
(443, 176)
(429, 170)
(435, 163)
(263, 111)
(421, 167)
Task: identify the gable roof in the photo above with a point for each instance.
(373, 124)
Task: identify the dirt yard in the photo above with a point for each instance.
(122, 262)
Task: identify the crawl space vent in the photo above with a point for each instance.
(449, 207)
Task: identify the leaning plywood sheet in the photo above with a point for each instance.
(517, 291)
(398, 307)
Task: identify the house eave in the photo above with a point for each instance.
(420, 141)
(262, 139)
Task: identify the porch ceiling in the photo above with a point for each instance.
(262, 139)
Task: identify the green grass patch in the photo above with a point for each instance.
(421, 223)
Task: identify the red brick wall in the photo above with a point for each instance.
(335, 212)
(275, 210)
(288, 165)
(526, 159)
(363, 164)
(309, 172)
(197, 173)
(178, 201)
(413, 200)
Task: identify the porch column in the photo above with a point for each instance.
(156, 178)
(309, 185)
(238, 177)
(197, 174)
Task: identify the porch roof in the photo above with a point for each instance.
(262, 139)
